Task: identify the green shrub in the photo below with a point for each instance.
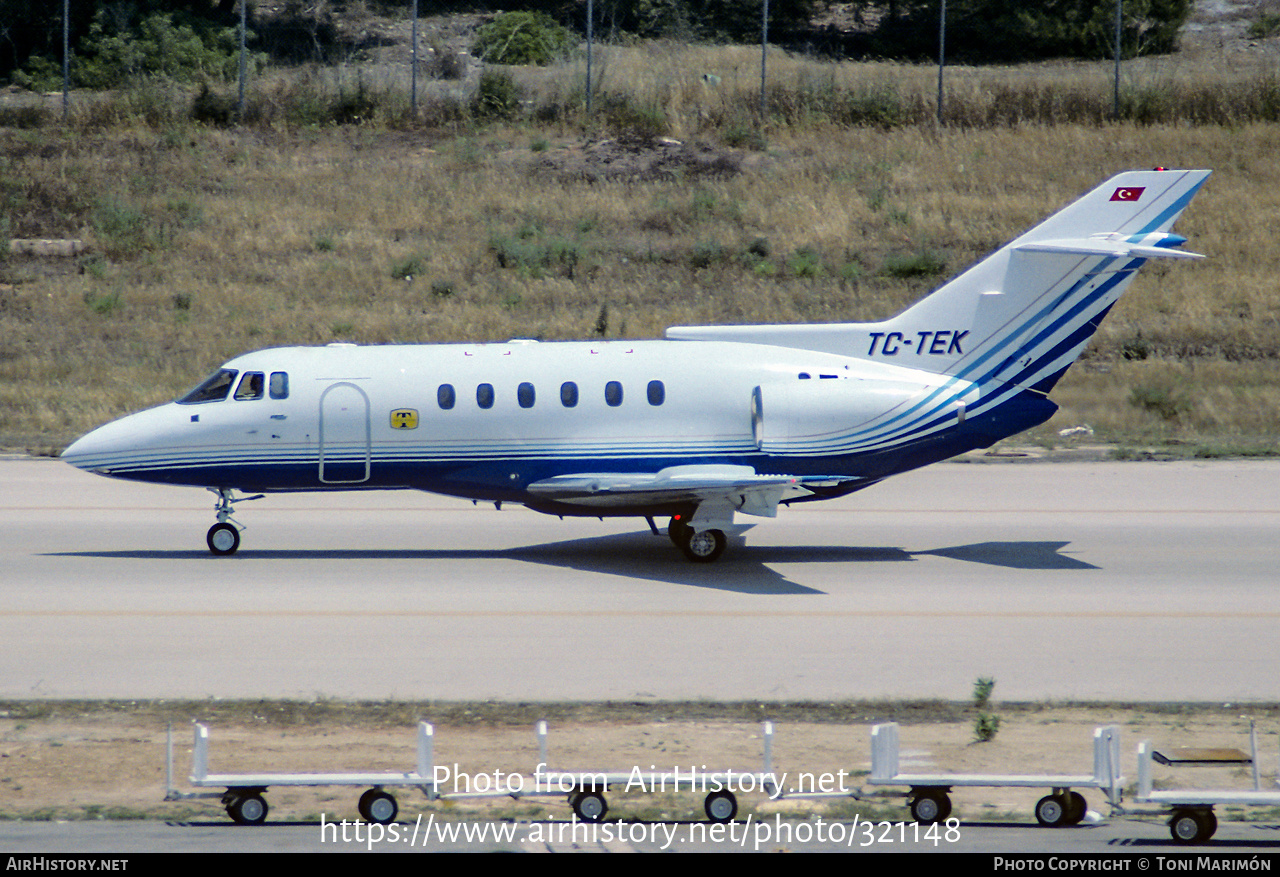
(123, 229)
(921, 264)
(103, 304)
(985, 727)
(805, 262)
(40, 74)
(1163, 400)
(982, 688)
(213, 108)
(159, 45)
(632, 121)
(498, 96)
(708, 253)
(409, 267)
(531, 254)
(1135, 348)
(1267, 25)
(522, 38)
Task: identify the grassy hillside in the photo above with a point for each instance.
(447, 225)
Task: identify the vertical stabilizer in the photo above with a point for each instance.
(1021, 316)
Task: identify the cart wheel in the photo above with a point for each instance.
(1077, 807)
(590, 806)
(930, 806)
(250, 809)
(378, 807)
(1051, 811)
(1192, 826)
(721, 806)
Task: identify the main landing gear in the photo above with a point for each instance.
(223, 537)
(703, 546)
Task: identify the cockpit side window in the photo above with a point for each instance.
(212, 389)
(250, 387)
(279, 386)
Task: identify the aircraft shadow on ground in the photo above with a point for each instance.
(744, 569)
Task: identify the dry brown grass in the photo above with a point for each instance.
(207, 242)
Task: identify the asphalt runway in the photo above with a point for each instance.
(1116, 581)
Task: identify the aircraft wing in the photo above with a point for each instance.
(737, 486)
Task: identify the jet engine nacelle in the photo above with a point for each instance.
(835, 415)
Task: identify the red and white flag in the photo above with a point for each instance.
(1128, 194)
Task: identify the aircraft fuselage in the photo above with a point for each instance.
(485, 421)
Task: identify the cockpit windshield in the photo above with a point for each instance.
(212, 389)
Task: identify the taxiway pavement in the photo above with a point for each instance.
(1117, 581)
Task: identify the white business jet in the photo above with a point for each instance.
(711, 422)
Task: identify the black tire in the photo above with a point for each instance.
(1192, 826)
(929, 807)
(223, 539)
(1077, 807)
(378, 807)
(250, 809)
(679, 533)
(590, 806)
(720, 806)
(704, 547)
(1051, 811)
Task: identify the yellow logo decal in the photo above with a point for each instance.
(404, 418)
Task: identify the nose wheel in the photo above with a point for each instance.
(223, 537)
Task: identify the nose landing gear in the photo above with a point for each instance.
(223, 537)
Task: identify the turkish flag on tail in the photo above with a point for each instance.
(1128, 194)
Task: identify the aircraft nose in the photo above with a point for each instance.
(88, 451)
(104, 447)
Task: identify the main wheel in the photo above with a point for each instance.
(679, 532)
(721, 806)
(1192, 826)
(1077, 807)
(704, 547)
(248, 809)
(590, 806)
(1051, 811)
(223, 539)
(930, 807)
(378, 807)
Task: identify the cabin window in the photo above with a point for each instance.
(656, 392)
(525, 395)
(212, 389)
(250, 387)
(445, 396)
(568, 394)
(804, 376)
(484, 395)
(279, 386)
(613, 394)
